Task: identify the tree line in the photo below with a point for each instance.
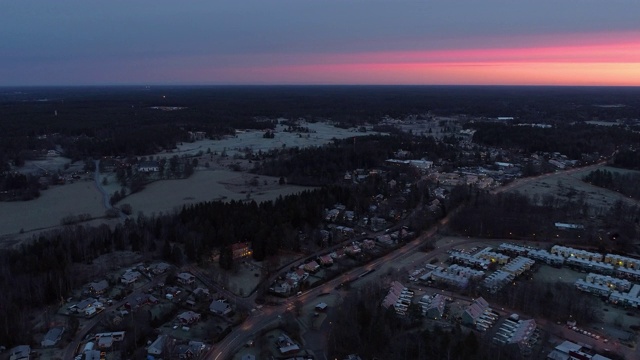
(517, 216)
(571, 140)
(16, 186)
(316, 166)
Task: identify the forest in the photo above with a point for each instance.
(16, 186)
(326, 164)
(517, 216)
(624, 183)
(627, 159)
(102, 121)
(572, 140)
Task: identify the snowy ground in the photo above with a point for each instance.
(207, 184)
(321, 133)
(53, 204)
(167, 195)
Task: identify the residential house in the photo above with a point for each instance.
(332, 215)
(98, 288)
(186, 278)
(187, 351)
(201, 293)
(20, 352)
(129, 277)
(286, 345)
(325, 260)
(106, 340)
(149, 166)
(189, 317)
(368, 244)
(219, 307)
(572, 351)
(159, 268)
(52, 337)
(297, 276)
(181, 352)
(142, 300)
(85, 304)
(353, 250)
(338, 254)
(311, 267)
(281, 287)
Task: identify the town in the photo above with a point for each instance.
(295, 238)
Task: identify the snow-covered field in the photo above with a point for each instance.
(321, 133)
(53, 204)
(215, 183)
(165, 196)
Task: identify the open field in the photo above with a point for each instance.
(167, 195)
(50, 164)
(569, 185)
(52, 205)
(320, 134)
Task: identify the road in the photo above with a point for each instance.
(106, 200)
(269, 314)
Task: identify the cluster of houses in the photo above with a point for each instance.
(467, 267)
(455, 275)
(609, 275)
(611, 264)
(479, 179)
(460, 276)
(186, 318)
(87, 307)
(339, 213)
(399, 297)
(292, 280)
(617, 291)
(185, 350)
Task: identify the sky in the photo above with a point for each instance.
(259, 42)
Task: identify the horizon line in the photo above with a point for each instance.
(314, 85)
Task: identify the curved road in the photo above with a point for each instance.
(268, 314)
(247, 331)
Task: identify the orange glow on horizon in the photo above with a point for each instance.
(484, 73)
(597, 64)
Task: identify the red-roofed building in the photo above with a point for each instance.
(311, 266)
(326, 260)
(240, 250)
